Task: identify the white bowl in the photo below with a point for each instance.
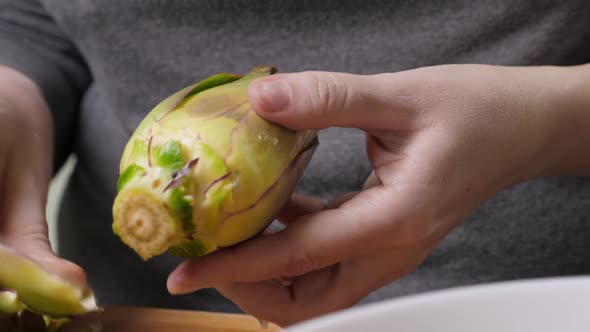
(538, 305)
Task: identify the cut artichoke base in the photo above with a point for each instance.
(145, 223)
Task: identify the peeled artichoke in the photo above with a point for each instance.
(203, 171)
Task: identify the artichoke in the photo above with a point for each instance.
(203, 171)
(28, 293)
(9, 303)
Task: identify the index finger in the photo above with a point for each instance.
(298, 206)
(317, 241)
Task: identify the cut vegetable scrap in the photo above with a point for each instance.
(31, 295)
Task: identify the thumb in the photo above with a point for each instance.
(25, 160)
(46, 258)
(36, 247)
(316, 100)
(23, 225)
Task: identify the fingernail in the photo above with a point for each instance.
(177, 286)
(172, 285)
(275, 95)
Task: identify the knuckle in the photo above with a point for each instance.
(330, 94)
(34, 232)
(299, 263)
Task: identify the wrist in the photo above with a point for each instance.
(568, 109)
(18, 93)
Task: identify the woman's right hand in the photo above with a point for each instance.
(25, 172)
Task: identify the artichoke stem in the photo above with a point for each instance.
(145, 223)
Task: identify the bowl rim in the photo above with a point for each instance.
(377, 309)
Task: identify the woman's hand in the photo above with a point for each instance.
(25, 172)
(442, 140)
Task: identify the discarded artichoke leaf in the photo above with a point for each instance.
(40, 291)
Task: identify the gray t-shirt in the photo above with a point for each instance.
(103, 64)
